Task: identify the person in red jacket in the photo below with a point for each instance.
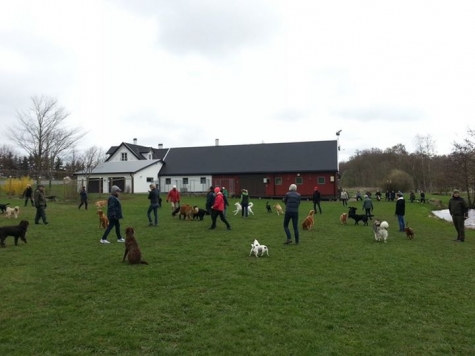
(217, 210)
(174, 198)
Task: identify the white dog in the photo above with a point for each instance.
(239, 208)
(380, 231)
(12, 212)
(256, 248)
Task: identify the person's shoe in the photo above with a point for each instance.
(211, 228)
(120, 240)
(155, 224)
(46, 223)
(287, 242)
(104, 241)
(455, 240)
(461, 240)
(150, 224)
(229, 227)
(37, 223)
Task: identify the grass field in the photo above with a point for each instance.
(337, 293)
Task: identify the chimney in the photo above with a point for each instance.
(216, 142)
(135, 141)
(160, 146)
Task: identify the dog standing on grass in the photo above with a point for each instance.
(380, 230)
(103, 220)
(256, 248)
(12, 212)
(344, 218)
(409, 232)
(17, 231)
(132, 250)
(309, 221)
(279, 209)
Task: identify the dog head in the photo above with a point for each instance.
(255, 243)
(311, 212)
(352, 210)
(24, 224)
(129, 231)
(100, 213)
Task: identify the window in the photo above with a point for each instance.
(203, 180)
(149, 179)
(298, 180)
(123, 156)
(149, 156)
(168, 181)
(185, 181)
(321, 180)
(278, 181)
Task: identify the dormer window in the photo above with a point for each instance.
(149, 156)
(123, 156)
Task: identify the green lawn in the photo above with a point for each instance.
(337, 293)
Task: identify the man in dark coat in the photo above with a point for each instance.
(316, 200)
(28, 195)
(400, 211)
(459, 211)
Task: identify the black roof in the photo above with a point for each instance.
(315, 156)
(138, 151)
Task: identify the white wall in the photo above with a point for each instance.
(194, 184)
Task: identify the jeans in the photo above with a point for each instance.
(154, 208)
(245, 210)
(295, 221)
(40, 214)
(400, 220)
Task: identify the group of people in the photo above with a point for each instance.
(38, 200)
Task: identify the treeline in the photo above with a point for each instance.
(396, 169)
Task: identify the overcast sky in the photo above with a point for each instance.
(187, 72)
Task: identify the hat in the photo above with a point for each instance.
(115, 188)
(174, 186)
(216, 190)
(456, 191)
(223, 188)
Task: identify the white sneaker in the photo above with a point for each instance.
(120, 240)
(104, 241)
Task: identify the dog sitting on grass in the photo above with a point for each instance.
(132, 250)
(17, 231)
(309, 221)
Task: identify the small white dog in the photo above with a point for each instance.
(256, 248)
(380, 231)
(239, 208)
(12, 212)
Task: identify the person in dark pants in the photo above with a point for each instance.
(244, 203)
(316, 200)
(153, 197)
(217, 210)
(114, 214)
(40, 203)
(83, 195)
(423, 197)
(459, 211)
(292, 202)
(28, 195)
(400, 211)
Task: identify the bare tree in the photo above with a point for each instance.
(425, 151)
(463, 156)
(91, 158)
(41, 133)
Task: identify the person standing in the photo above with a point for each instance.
(114, 214)
(154, 204)
(400, 211)
(367, 206)
(423, 197)
(244, 203)
(217, 210)
(83, 195)
(28, 195)
(174, 198)
(210, 199)
(292, 203)
(226, 202)
(458, 209)
(316, 200)
(40, 204)
(344, 197)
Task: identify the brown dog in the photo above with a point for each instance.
(409, 232)
(103, 220)
(186, 211)
(132, 250)
(278, 209)
(344, 218)
(101, 204)
(17, 231)
(309, 221)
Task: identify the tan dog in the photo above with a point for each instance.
(12, 212)
(101, 204)
(309, 221)
(187, 211)
(279, 209)
(344, 218)
(409, 232)
(132, 250)
(103, 220)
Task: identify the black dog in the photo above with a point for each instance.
(3, 207)
(176, 211)
(17, 231)
(357, 217)
(199, 213)
(269, 210)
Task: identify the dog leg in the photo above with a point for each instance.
(125, 254)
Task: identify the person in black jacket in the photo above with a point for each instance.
(316, 200)
(210, 199)
(154, 204)
(28, 195)
(400, 211)
(114, 214)
(459, 211)
(83, 195)
(292, 203)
